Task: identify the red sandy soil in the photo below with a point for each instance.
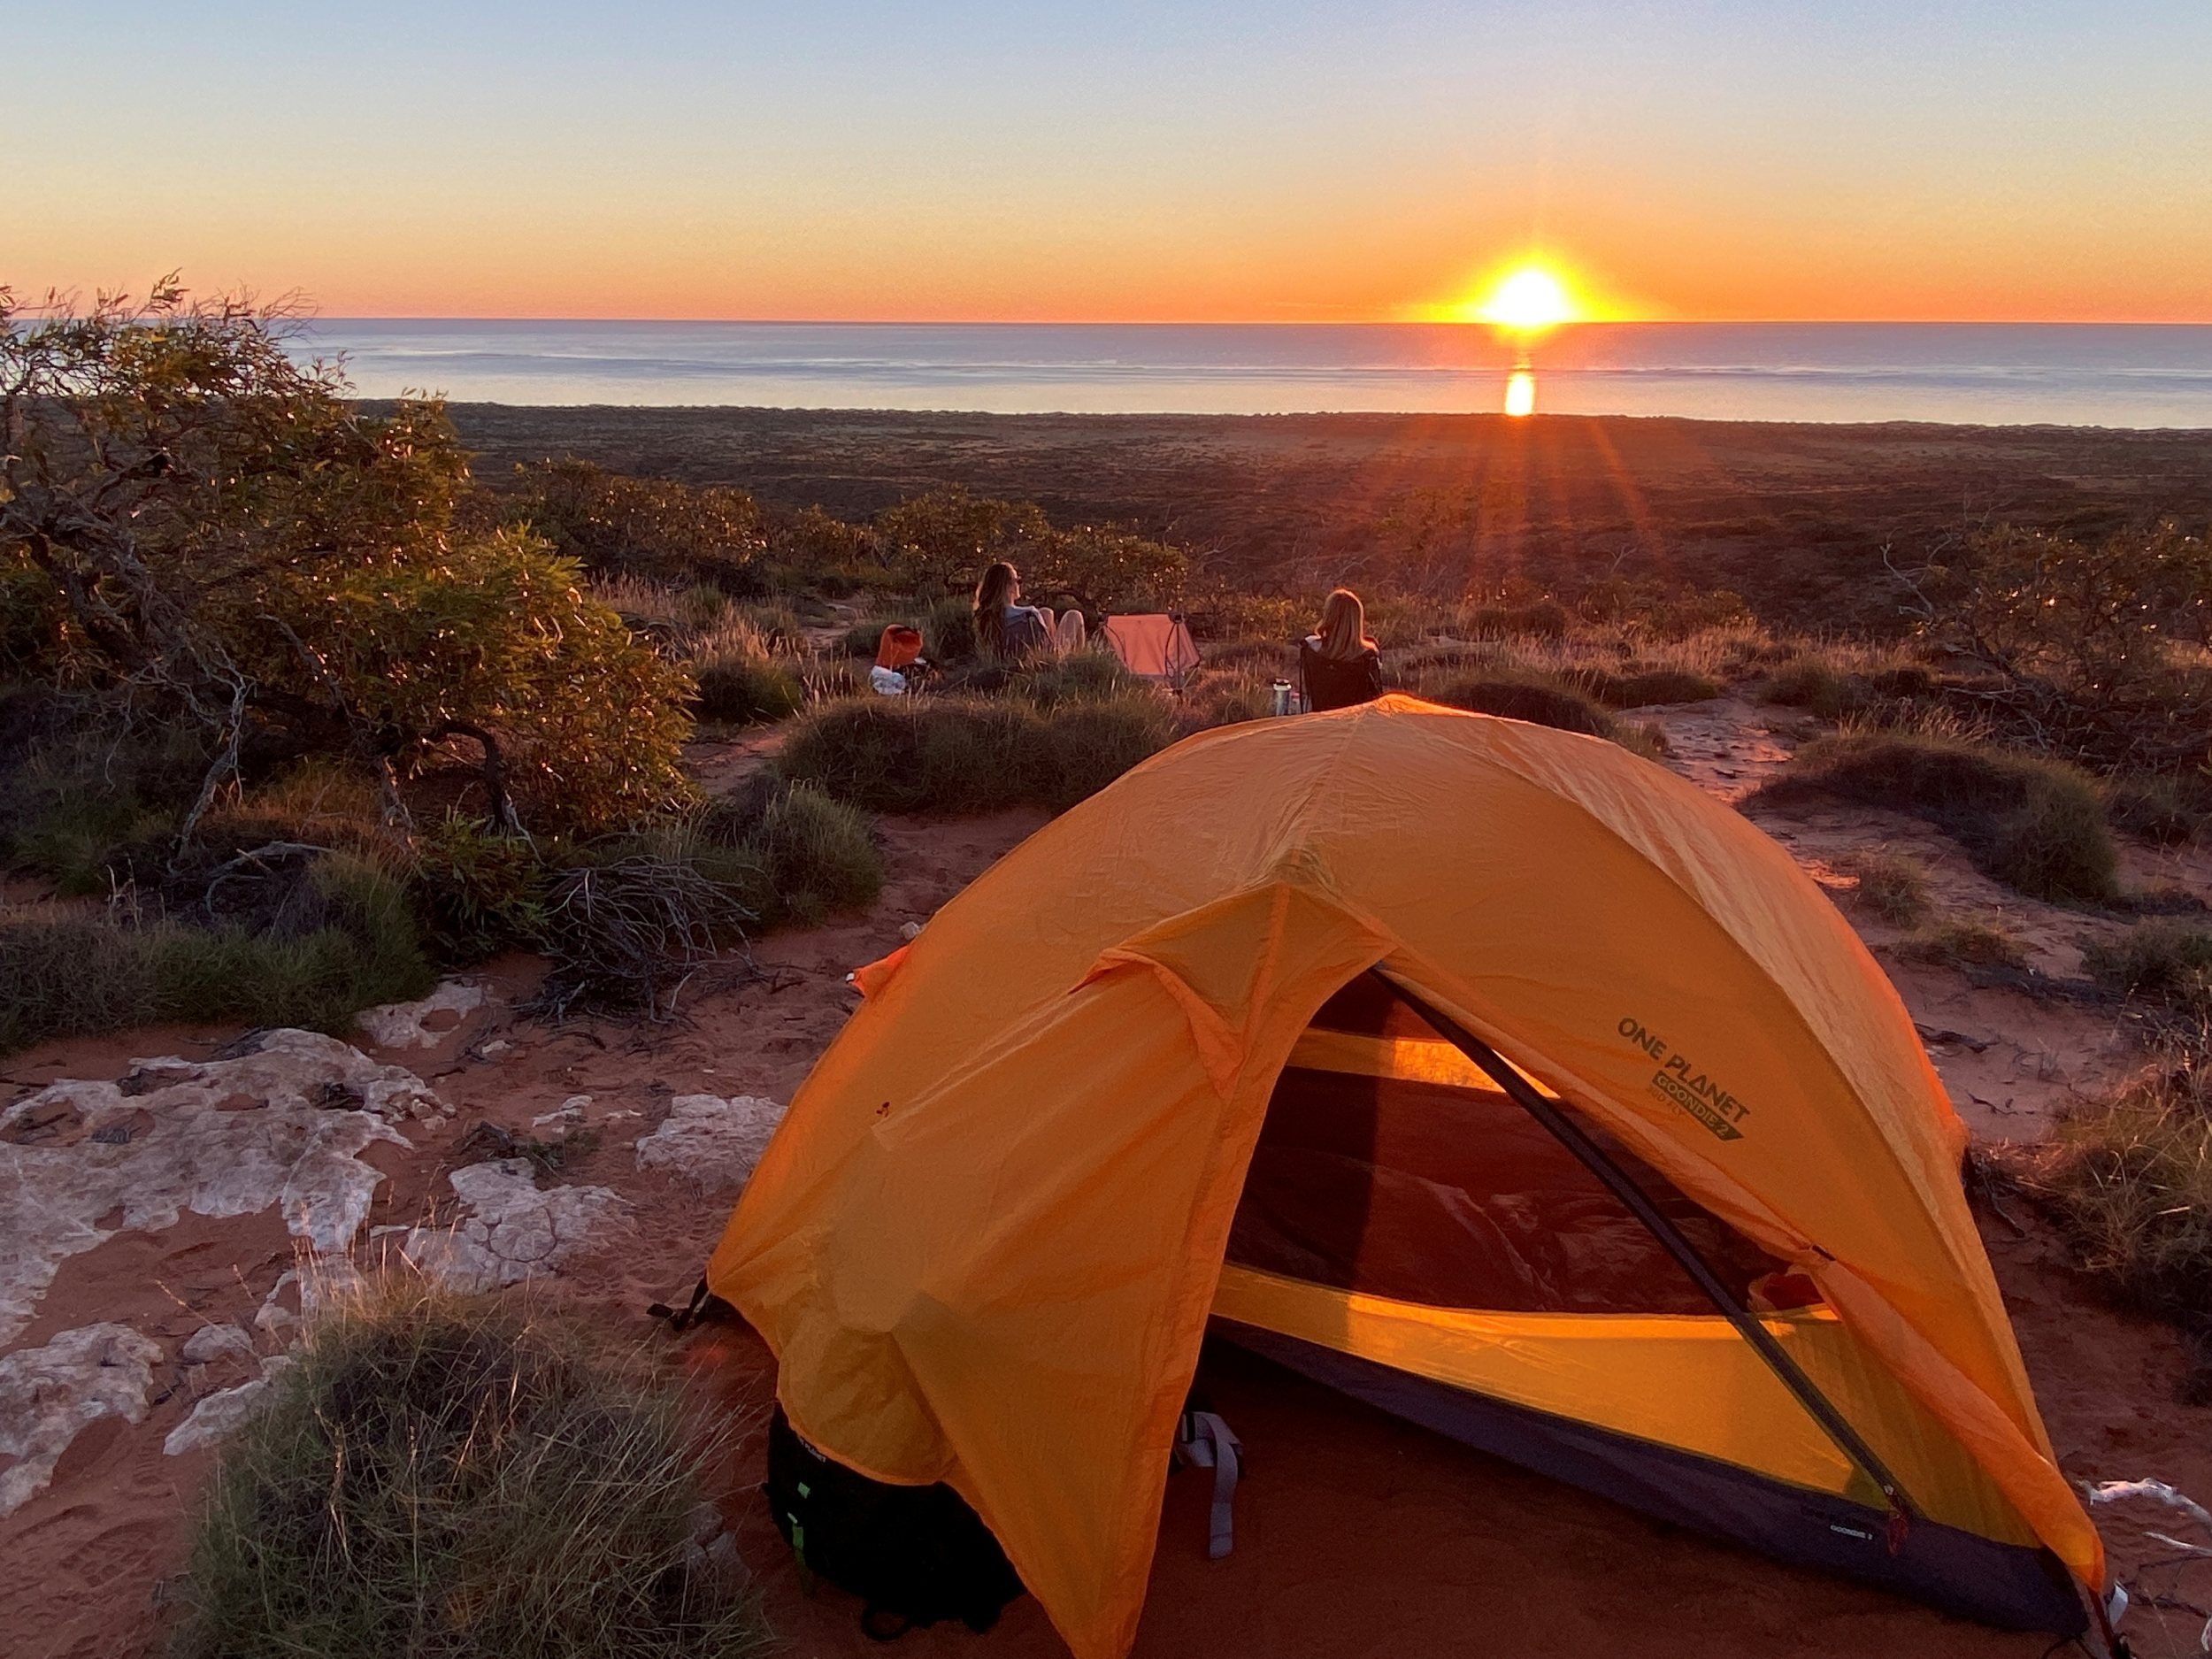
(1356, 1534)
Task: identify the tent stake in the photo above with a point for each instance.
(1571, 1135)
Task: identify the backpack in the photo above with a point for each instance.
(914, 1554)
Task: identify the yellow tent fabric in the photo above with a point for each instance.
(985, 1242)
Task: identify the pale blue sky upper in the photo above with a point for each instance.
(1722, 159)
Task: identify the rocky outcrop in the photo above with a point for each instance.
(509, 1229)
(424, 1023)
(49, 1395)
(283, 1125)
(713, 1143)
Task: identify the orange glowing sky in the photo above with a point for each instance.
(1675, 158)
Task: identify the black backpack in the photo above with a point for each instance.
(914, 1554)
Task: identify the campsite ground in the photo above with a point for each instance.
(1356, 1534)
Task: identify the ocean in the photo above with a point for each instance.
(1985, 373)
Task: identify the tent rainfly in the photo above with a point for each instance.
(1488, 1072)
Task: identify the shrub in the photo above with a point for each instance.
(1540, 702)
(480, 890)
(966, 754)
(440, 1475)
(625, 930)
(1893, 885)
(1642, 688)
(2130, 1182)
(747, 690)
(2034, 824)
(79, 976)
(1820, 688)
(801, 855)
(68, 809)
(1080, 676)
(612, 525)
(299, 570)
(2164, 959)
(949, 631)
(1966, 943)
(2167, 810)
(1542, 619)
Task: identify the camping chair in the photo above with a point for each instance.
(1158, 647)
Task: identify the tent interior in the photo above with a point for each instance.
(1410, 1233)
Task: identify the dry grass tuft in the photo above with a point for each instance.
(1893, 885)
(1966, 942)
(2130, 1182)
(440, 1477)
(2036, 825)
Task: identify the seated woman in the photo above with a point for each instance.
(1339, 664)
(1008, 631)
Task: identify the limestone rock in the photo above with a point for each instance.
(282, 1125)
(213, 1342)
(49, 1395)
(712, 1141)
(221, 1413)
(420, 1025)
(509, 1229)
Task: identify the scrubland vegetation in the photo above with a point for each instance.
(296, 711)
(442, 1475)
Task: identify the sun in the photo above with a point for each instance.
(1529, 297)
(1528, 300)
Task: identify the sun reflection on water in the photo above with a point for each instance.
(1520, 393)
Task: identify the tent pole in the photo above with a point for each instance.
(1572, 1135)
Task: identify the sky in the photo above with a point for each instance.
(1207, 160)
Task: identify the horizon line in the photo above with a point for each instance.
(1376, 322)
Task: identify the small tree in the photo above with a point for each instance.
(210, 531)
(2099, 620)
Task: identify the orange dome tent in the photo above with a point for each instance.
(1486, 1072)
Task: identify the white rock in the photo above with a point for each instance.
(710, 1141)
(222, 1412)
(283, 1126)
(567, 1115)
(509, 1229)
(212, 1343)
(402, 1025)
(48, 1395)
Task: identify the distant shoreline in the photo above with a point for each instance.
(2136, 376)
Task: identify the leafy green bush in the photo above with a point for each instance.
(966, 754)
(747, 690)
(440, 1477)
(79, 975)
(2036, 825)
(614, 525)
(480, 890)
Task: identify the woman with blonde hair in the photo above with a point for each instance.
(1337, 664)
(1008, 631)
